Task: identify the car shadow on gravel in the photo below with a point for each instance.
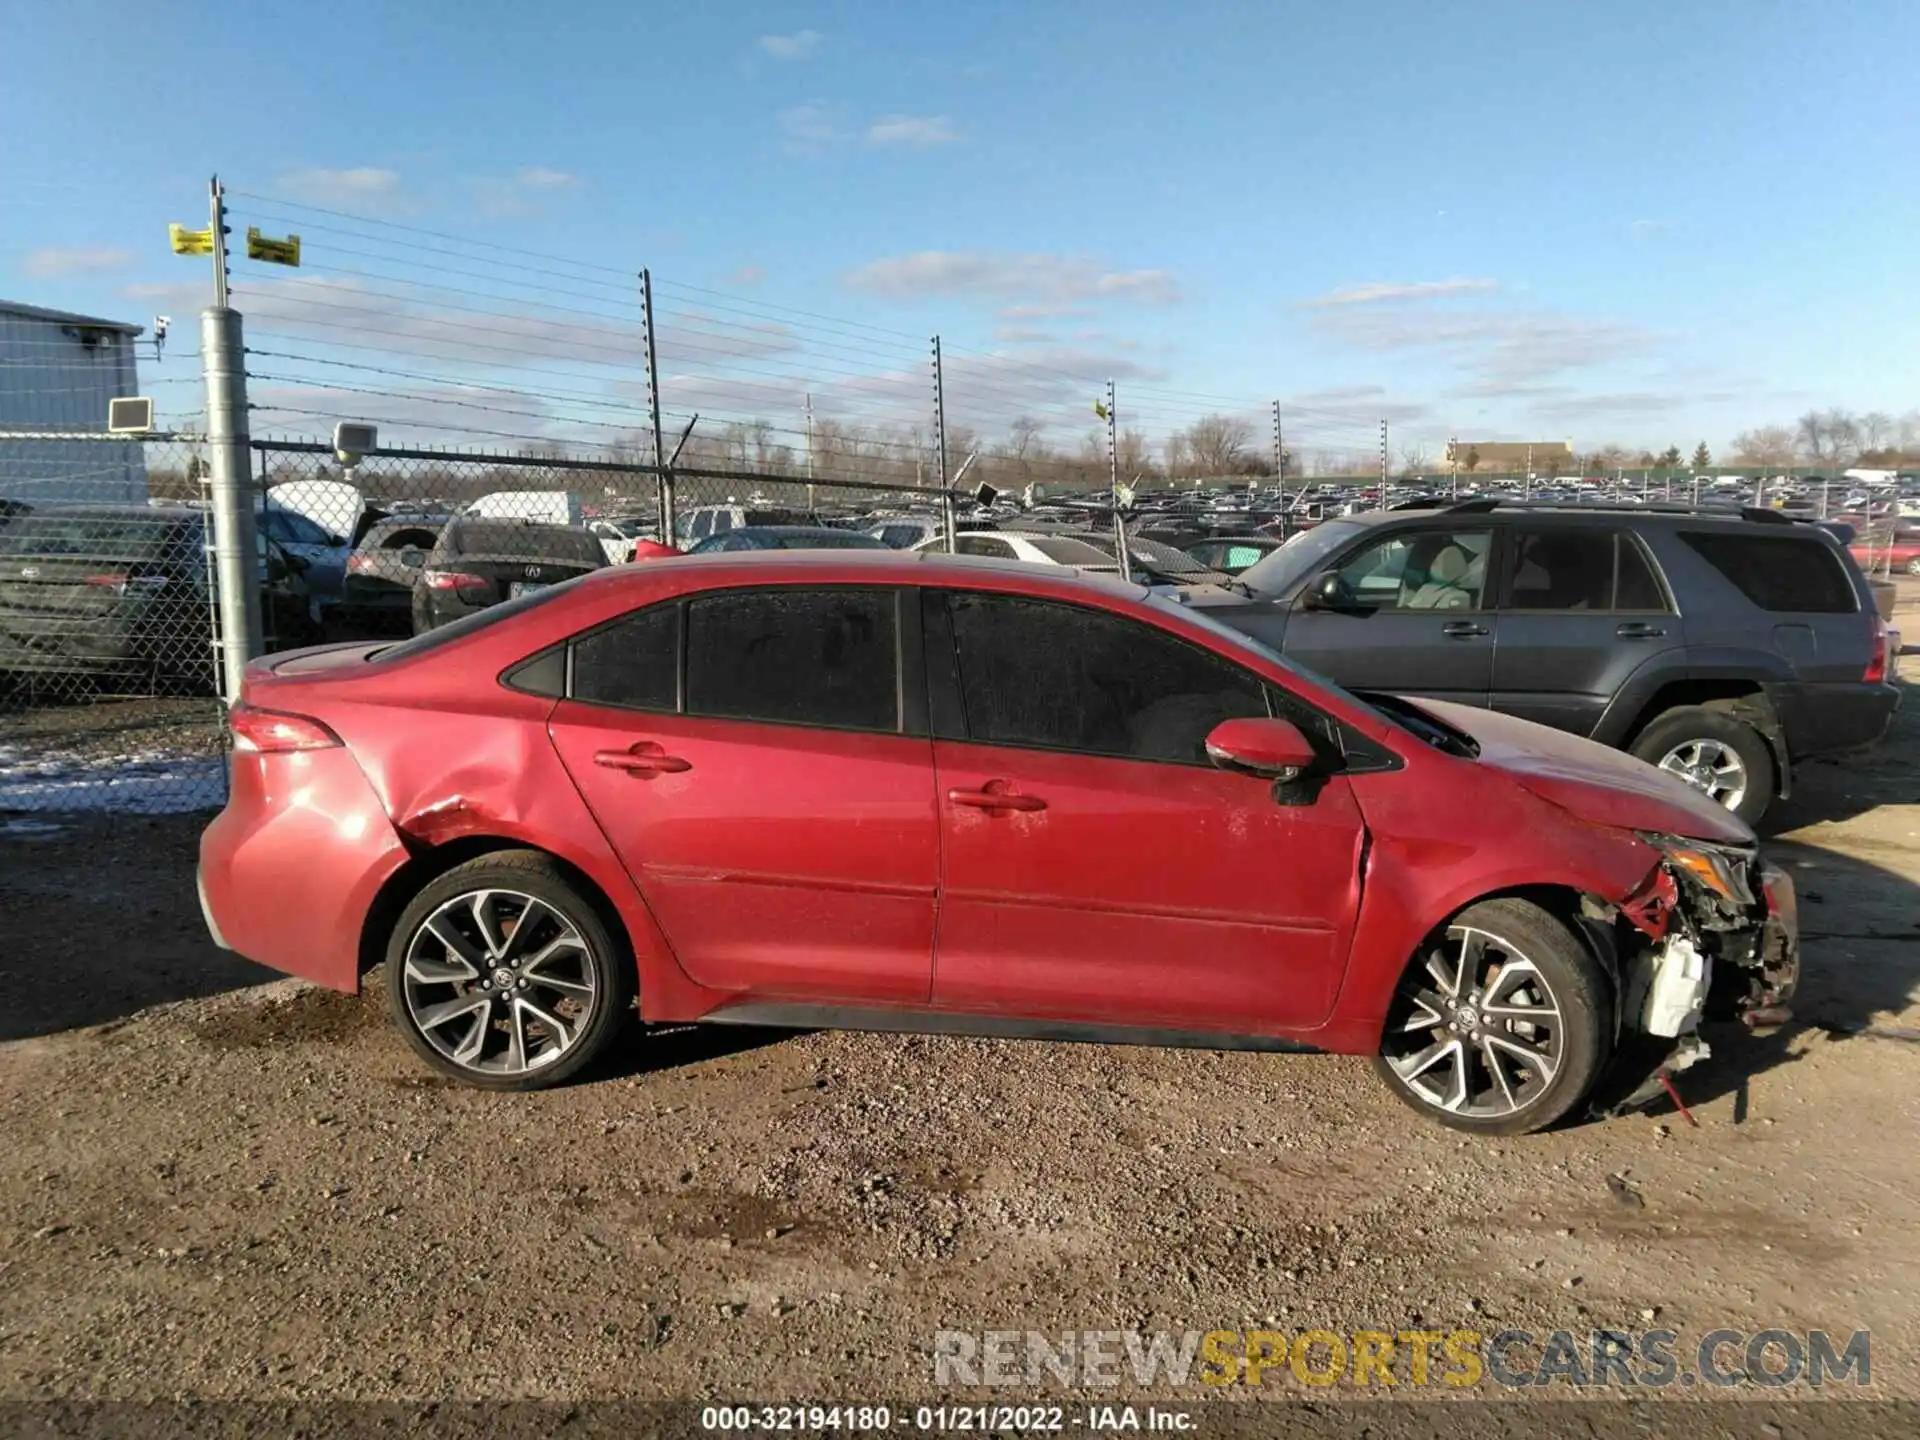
(651, 1049)
(1860, 958)
(99, 918)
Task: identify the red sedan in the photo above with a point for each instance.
(924, 793)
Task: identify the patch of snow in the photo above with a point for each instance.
(147, 782)
(28, 829)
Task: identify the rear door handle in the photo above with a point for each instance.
(990, 798)
(1462, 629)
(1639, 630)
(646, 758)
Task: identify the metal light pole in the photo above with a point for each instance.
(662, 467)
(809, 452)
(940, 439)
(236, 557)
(1113, 489)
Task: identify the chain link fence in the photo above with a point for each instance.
(107, 624)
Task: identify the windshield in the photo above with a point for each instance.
(94, 537)
(1064, 550)
(1299, 557)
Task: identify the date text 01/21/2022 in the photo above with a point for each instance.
(944, 1419)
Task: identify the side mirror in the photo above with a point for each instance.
(1255, 745)
(1327, 591)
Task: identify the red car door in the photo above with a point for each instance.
(1094, 865)
(777, 819)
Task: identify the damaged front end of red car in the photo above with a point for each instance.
(1711, 933)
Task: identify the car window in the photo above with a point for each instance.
(722, 521)
(1636, 587)
(1054, 676)
(1568, 569)
(1421, 570)
(983, 545)
(634, 662)
(301, 530)
(1786, 574)
(1065, 550)
(798, 657)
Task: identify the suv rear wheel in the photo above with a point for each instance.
(1721, 756)
(1500, 1025)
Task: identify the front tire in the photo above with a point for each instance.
(1724, 758)
(502, 975)
(1500, 1025)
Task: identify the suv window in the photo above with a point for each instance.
(1786, 574)
(826, 658)
(1421, 570)
(1580, 569)
(634, 662)
(1054, 676)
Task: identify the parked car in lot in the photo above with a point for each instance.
(377, 594)
(920, 793)
(692, 526)
(1028, 547)
(904, 532)
(786, 537)
(1725, 647)
(1901, 552)
(121, 591)
(478, 563)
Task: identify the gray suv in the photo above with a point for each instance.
(1724, 646)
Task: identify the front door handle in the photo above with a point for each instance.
(995, 796)
(646, 758)
(1639, 630)
(1462, 629)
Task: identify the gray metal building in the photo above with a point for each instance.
(57, 373)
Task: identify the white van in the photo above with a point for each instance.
(547, 507)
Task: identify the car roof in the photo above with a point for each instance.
(795, 530)
(864, 567)
(1585, 513)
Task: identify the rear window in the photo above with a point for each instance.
(1786, 574)
(1065, 550)
(524, 542)
(468, 625)
(88, 535)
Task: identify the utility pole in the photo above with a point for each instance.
(809, 452)
(662, 467)
(940, 439)
(1280, 465)
(1526, 485)
(1453, 462)
(1383, 462)
(1113, 487)
(223, 354)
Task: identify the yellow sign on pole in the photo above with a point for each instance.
(275, 252)
(189, 242)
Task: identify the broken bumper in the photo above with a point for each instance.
(1779, 950)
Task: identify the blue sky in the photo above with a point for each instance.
(1641, 222)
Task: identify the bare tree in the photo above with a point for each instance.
(1219, 443)
(1829, 437)
(1415, 460)
(1774, 447)
(1876, 429)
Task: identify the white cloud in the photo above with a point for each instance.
(916, 130)
(515, 196)
(1386, 291)
(744, 276)
(797, 46)
(1032, 280)
(364, 185)
(52, 261)
(808, 129)
(535, 177)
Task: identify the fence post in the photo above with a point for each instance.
(662, 471)
(940, 439)
(235, 546)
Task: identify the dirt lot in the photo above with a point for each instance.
(216, 1186)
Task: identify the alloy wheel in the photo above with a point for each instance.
(500, 982)
(1712, 767)
(1475, 1029)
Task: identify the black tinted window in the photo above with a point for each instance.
(1637, 588)
(1562, 570)
(1060, 677)
(1783, 573)
(635, 662)
(468, 625)
(802, 657)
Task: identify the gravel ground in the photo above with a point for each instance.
(222, 1186)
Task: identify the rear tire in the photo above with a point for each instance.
(502, 975)
(1500, 1025)
(1698, 741)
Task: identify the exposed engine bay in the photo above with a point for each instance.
(1711, 933)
